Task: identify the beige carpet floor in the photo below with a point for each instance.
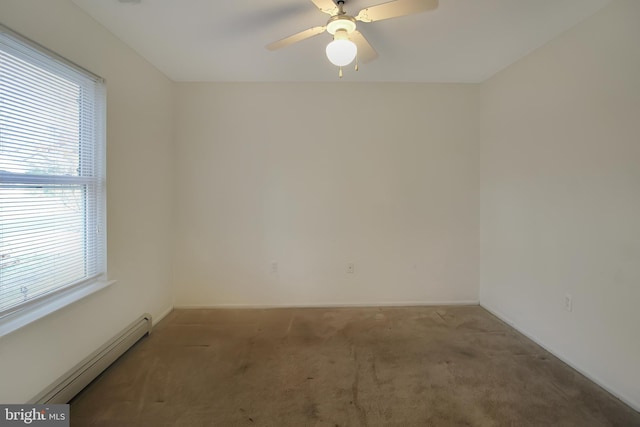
(415, 366)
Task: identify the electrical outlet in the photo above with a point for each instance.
(568, 302)
(274, 267)
(351, 268)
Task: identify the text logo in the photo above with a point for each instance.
(34, 415)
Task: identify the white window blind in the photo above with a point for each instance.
(52, 175)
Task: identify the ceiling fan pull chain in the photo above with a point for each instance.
(340, 72)
(356, 62)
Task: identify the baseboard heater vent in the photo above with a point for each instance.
(67, 386)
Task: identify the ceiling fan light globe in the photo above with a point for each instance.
(341, 52)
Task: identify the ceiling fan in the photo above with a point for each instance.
(348, 43)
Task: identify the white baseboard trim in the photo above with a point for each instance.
(75, 380)
(626, 399)
(329, 305)
(162, 315)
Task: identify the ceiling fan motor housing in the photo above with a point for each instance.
(341, 22)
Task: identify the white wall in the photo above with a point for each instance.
(314, 176)
(560, 196)
(139, 128)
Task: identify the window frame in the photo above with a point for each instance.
(40, 306)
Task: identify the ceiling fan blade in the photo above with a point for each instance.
(366, 52)
(303, 35)
(326, 6)
(394, 9)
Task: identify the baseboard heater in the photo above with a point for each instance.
(68, 385)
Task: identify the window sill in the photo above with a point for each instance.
(29, 314)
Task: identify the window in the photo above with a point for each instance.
(52, 181)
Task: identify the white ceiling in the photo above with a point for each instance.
(213, 40)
